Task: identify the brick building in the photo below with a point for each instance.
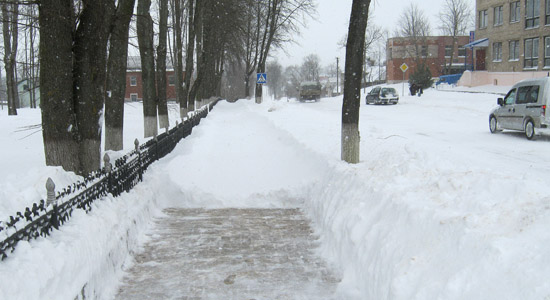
(134, 85)
(517, 35)
(435, 52)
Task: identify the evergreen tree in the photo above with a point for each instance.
(421, 76)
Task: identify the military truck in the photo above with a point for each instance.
(310, 90)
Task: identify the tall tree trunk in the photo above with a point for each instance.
(90, 53)
(116, 76)
(13, 55)
(59, 129)
(352, 83)
(209, 47)
(9, 31)
(161, 64)
(178, 46)
(271, 27)
(193, 13)
(146, 50)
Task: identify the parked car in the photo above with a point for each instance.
(524, 108)
(382, 95)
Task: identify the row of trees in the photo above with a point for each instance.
(20, 61)
(83, 48)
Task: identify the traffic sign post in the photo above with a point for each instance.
(403, 68)
(261, 78)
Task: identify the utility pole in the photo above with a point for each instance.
(337, 75)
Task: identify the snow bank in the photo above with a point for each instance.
(445, 212)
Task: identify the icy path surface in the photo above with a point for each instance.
(230, 254)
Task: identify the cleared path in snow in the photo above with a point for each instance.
(229, 254)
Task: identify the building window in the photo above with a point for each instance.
(133, 81)
(531, 53)
(497, 17)
(547, 12)
(448, 51)
(547, 51)
(497, 51)
(424, 51)
(514, 50)
(461, 52)
(171, 80)
(532, 13)
(515, 8)
(133, 97)
(482, 18)
(390, 56)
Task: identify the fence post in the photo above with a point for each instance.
(136, 143)
(156, 139)
(108, 167)
(50, 188)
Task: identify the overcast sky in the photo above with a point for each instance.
(321, 36)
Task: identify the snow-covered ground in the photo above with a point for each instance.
(438, 208)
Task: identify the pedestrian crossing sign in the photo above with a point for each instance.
(261, 78)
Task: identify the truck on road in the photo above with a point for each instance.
(310, 90)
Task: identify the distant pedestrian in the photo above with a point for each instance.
(412, 89)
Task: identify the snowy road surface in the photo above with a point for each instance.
(229, 254)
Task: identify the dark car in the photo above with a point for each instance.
(382, 95)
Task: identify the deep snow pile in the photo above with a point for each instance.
(438, 208)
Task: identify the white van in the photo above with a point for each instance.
(524, 108)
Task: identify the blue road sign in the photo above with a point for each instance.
(261, 78)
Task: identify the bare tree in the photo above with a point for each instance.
(293, 77)
(72, 105)
(89, 74)
(144, 25)
(413, 24)
(161, 64)
(456, 19)
(311, 67)
(352, 84)
(177, 22)
(30, 65)
(275, 71)
(281, 18)
(10, 18)
(116, 75)
(193, 12)
(252, 37)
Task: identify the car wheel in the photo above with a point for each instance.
(493, 125)
(529, 130)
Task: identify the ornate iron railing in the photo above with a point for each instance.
(43, 217)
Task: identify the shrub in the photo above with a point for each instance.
(421, 76)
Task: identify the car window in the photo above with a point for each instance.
(533, 94)
(523, 94)
(510, 98)
(375, 90)
(388, 90)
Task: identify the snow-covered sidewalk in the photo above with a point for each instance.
(231, 254)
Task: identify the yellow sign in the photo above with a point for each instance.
(404, 67)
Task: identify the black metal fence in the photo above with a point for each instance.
(41, 218)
